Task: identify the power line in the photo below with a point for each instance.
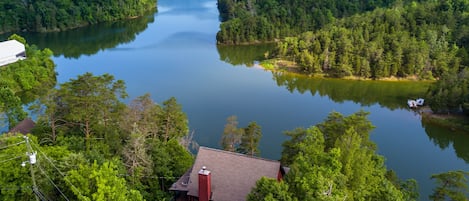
(11, 145)
(32, 161)
(60, 172)
(10, 159)
(43, 172)
(40, 195)
(14, 188)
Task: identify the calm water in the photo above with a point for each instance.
(174, 53)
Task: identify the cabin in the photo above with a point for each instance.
(224, 176)
(11, 51)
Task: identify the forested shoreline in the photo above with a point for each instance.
(46, 16)
(91, 145)
(420, 40)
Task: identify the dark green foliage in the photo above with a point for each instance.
(172, 120)
(452, 185)
(248, 20)
(336, 160)
(250, 139)
(450, 93)
(91, 103)
(65, 14)
(403, 41)
(424, 39)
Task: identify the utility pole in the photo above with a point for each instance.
(32, 161)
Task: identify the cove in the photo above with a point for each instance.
(173, 53)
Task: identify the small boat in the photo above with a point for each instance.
(420, 101)
(415, 103)
(412, 103)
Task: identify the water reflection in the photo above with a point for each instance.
(392, 95)
(91, 39)
(243, 54)
(444, 139)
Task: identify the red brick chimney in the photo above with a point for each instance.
(205, 185)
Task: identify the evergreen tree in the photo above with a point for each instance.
(450, 185)
(231, 137)
(91, 101)
(173, 121)
(250, 139)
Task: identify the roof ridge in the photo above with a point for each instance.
(238, 154)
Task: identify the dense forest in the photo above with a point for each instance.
(401, 41)
(248, 20)
(90, 145)
(41, 16)
(424, 40)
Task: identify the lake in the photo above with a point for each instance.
(174, 53)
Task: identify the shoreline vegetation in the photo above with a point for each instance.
(286, 66)
(454, 122)
(389, 41)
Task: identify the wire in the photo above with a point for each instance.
(53, 165)
(11, 145)
(153, 177)
(45, 174)
(10, 159)
(14, 188)
(39, 194)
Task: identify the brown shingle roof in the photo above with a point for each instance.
(24, 127)
(182, 184)
(233, 175)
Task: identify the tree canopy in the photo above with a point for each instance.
(24, 81)
(92, 146)
(241, 140)
(40, 16)
(334, 160)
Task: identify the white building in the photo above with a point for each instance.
(11, 51)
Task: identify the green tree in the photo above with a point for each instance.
(231, 134)
(333, 161)
(170, 160)
(143, 116)
(336, 125)
(100, 182)
(173, 121)
(268, 189)
(450, 93)
(250, 139)
(91, 102)
(450, 185)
